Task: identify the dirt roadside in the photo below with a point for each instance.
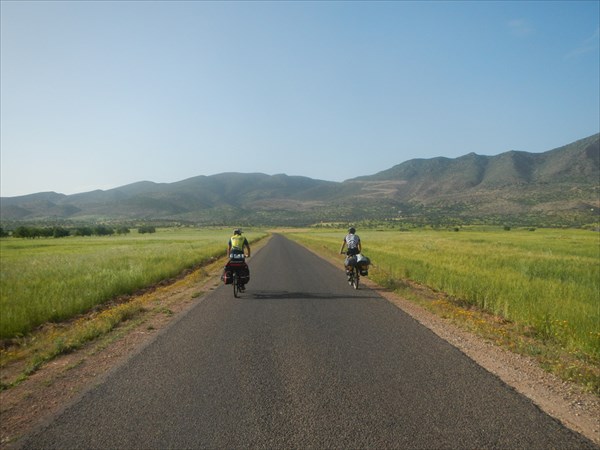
(57, 384)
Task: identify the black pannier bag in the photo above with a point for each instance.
(227, 276)
(236, 266)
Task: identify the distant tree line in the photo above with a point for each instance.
(32, 232)
(36, 232)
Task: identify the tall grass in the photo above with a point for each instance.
(45, 280)
(548, 280)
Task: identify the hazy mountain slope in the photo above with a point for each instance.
(563, 181)
(430, 179)
(571, 161)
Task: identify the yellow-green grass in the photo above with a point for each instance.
(50, 280)
(547, 280)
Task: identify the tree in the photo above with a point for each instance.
(22, 232)
(146, 229)
(83, 231)
(103, 230)
(59, 232)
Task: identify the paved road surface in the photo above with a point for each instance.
(301, 361)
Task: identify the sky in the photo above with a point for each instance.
(100, 94)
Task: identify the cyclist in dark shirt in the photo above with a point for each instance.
(354, 247)
(352, 241)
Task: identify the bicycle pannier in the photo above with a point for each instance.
(363, 264)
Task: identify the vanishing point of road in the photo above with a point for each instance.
(301, 360)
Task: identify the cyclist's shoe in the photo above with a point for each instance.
(242, 288)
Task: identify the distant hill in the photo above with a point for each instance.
(564, 181)
(561, 185)
(577, 162)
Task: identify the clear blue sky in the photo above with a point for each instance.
(96, 95)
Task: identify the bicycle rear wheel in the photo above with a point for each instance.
(236, 288)
(355, 277)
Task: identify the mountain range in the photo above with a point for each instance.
(561, 186)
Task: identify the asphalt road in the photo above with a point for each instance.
(301, 360)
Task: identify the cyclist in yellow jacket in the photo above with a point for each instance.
(238, 243)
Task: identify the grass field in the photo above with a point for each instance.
(544, 282)
(547, 280)
(49, 279)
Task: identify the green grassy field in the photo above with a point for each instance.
(49, 279)
(547, 280)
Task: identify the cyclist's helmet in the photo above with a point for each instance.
(351, 230)
(237, 231)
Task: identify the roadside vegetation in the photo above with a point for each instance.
(51, 280)
(58, 294)
(534, 291)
